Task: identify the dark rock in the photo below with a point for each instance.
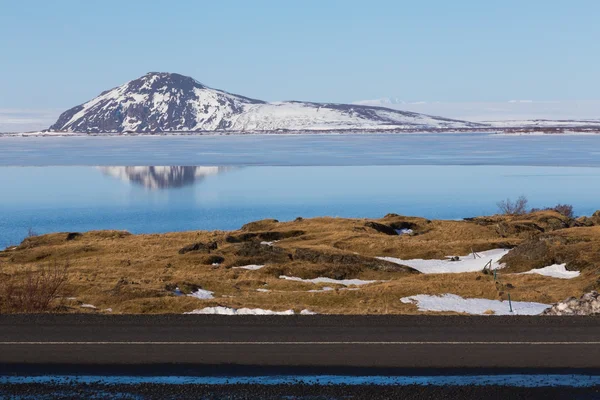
(199, 247)
(381, 228)
(214, 259)
(534, 253)
(73, 236)
(259, 254)
(319, 257)
(268, 236)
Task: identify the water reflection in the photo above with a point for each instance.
(162, 177)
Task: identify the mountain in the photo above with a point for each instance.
(162, 177)
(165, 102)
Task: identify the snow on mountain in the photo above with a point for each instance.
(161, 177)
(165, 102)
(513, 112)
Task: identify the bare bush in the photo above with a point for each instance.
(564, 209)
(31, 233)
(517, 207)
(33, 290)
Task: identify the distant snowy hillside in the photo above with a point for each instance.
(165, 102)
(485, 111)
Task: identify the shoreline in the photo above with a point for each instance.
(392, 265)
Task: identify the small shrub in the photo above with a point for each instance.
(34, 291)
(564, 209)
(517, 207)
(31, 233)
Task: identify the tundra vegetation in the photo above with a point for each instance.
(118, 272)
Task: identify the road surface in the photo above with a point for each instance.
(404, 342)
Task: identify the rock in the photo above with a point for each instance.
(381, 228)
(263, 236)
(200, 247)
(584, 221)
(256, 253)
(587, 304)
(348, 259)
(534, 253)
(214, 259)
(73, 236)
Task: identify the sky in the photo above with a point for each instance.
(57, 54)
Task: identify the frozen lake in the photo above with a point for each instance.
(294, 150)
(162, 199)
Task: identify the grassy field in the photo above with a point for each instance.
(138, 273)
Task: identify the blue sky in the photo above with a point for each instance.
(56, 54)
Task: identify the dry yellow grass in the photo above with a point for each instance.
(137, 273)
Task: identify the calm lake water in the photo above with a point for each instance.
(162, 199)
(298, 150)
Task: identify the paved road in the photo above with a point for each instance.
(302, 341)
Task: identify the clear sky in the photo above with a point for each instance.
(56, 54)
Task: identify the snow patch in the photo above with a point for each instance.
(554, 271)
(345, 282)
(251, 267)
(470, 263)
(325, 289)
(202, 294)
(452, 302)
(241, 311)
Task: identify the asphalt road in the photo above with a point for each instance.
(404, 342)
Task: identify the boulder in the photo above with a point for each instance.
(587, 304)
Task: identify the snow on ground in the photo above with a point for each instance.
(452, 302)
(263, 290)
(93, 307)
(404, 231)
(325, 289)
(245, 311)
(269, 243)
(345, 282)
(470, 263)
(202, 294)
(554, 271)
(251, 267)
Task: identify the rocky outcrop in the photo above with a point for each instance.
(199, 247)
(588, 304)
(381, 228)
(263, 236)
(320, 257)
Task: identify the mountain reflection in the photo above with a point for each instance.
(162, 177)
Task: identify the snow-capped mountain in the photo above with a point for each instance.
(165, 102)
(162, 177)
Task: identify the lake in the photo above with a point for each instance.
(162, 199)
(304, 150)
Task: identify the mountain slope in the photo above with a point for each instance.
(165, 102)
